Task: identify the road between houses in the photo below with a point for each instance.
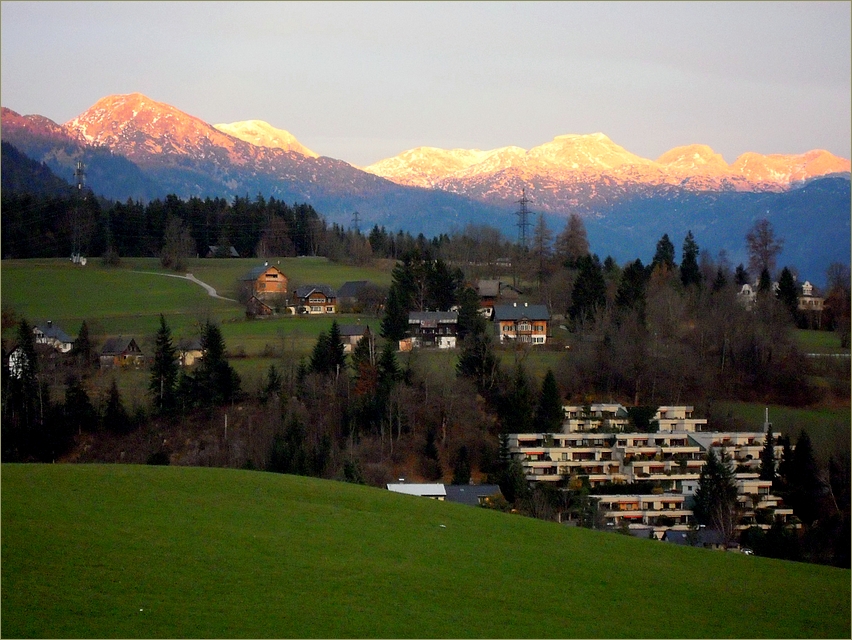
(210, 290)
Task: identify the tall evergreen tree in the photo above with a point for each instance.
(720, 282)
(478, 362)
(787, 291)
(217, 382)
(631, 288)
(589, 292)
(690, 273)
(549, 414)
(83, 351)
(664, 256)
(470, 320)
(164, 369)
(518, 404)
(767, 456)
(461, 469)
(395, 319)
(716, 496)
(115, 417)
(741, 276)
(804, 486)
(78, 412)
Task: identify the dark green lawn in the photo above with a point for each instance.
(152, 552)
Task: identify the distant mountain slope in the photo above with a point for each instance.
(813, 221)
(263, 134)
(138, 148)
(583, 172)
(22, 175)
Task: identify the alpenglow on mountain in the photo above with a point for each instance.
(135, 147)
(575, 171)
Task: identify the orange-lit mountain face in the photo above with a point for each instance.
(569, 173)
(573, 170)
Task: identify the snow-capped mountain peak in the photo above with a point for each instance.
(263, 134)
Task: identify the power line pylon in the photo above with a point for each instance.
(76, 233)
(523, 220)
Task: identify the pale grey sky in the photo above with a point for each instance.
(362, 81)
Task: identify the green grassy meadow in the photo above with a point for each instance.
(128, 300)
(827, 427)
(151, 552)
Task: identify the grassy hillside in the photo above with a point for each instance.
(133, 551)
(128, 300)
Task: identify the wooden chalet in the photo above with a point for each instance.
(266, 281)
(121, 352)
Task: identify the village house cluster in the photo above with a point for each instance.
(595, 445)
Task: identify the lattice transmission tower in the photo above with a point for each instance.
(524, 223)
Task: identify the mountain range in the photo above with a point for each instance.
(135, 147)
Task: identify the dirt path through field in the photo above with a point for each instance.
(210, 290)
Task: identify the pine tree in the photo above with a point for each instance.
(336, 354)
(804, 485)
(787, 291)
(78, 412)
(320, 360)
(589, 292)
(720, 282)
(395, 320)
(716, 496)
(217, 382)
(83, 350)
(631, 288)
(549, 414)
(664, 255)
(470, 320)
(690, 274)
(518, 404)
(115, 417)
(164, 369)
(741, 276)
(767, 456)
(461, 469)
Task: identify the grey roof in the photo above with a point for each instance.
(703, 537)
(231, 250)
(307, 289)
(470, 493)
(520, 311)
(416, 317)
(55, 332)
(117, 345)
(351, 289)
(347, 330)
(490, 288)
(254, 274)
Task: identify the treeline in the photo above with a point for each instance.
(50, 226)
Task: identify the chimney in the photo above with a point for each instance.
(514, 304)
(49, 324)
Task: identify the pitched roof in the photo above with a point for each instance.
(307, 289)
(255, 273)
(117, 345)
(351, 289)
(521, 310)
(470, 493)
(52, 331)
(347, 330)
(489, 288)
